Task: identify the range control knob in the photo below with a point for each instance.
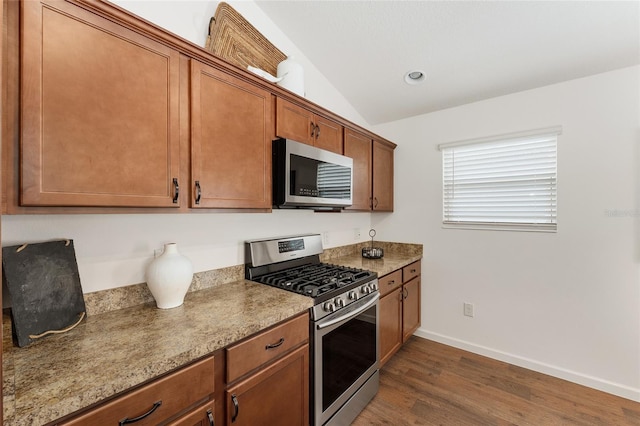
(353, 295)
(374, 285)
(338, 302)
(329, 306)
(365, 289)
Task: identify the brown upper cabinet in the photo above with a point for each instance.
(99, 112)
(303, 125)
(231, 133)
(382, 170)
(104, 111)
(372, 171)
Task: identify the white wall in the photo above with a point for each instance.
(113, 250)
(565, 303)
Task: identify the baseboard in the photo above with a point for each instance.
(572, 376)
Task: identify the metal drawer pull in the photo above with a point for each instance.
(210, 418)
(127, 420)
(391, 282)
(176, 193)
(313, 130)
(317, 131)
(236, 407)
(412, 271)
(198, 192)
(275, 345)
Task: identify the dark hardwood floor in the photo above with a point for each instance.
(427, 383)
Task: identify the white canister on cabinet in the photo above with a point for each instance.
(292, 75)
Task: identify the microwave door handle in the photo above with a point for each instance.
(350, 314)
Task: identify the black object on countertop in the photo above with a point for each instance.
(372, 252)
(44, 285)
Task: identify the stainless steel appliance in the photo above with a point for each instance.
(306, 176)
(344, 325)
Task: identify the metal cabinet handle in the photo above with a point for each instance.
(317, 131)
(405, 293)
(127, 420)
(412, 271)
(275, 345)
(198, 192)
(391, 282)
(210, 418)
(236, 407)
(176, 190)
(313, 130)
(376, 202)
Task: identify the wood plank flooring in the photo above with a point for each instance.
(428, 383)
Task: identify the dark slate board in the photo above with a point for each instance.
(44, 285)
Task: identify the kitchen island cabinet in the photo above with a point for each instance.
(303, 125)
(231, 134)
(99, 111)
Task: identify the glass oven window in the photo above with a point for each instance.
(313, 178)
(347, 352)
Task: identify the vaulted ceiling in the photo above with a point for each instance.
(468, 50)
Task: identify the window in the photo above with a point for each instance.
(502, 182)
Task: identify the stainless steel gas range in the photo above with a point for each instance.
(344, 326)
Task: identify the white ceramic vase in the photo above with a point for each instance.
(291, 75)
(169, 277)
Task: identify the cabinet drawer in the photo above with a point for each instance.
(266, 346)
(171, 394)
(390, 282)
(411, 271)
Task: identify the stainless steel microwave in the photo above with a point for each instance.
(308, 177)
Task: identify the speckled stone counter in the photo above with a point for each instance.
(396, 256)
(113, 351)
(120, 346)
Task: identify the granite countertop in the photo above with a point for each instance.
(389, 263)
(111, 352)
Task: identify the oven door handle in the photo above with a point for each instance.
(350, 314)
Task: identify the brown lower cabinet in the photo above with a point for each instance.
(268, 377)
(399, 308)
(158, 401)
(275, 395)
(200, 416)
(263, 379)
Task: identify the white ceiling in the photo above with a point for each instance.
(469, 50)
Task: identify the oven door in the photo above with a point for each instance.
(346, 354)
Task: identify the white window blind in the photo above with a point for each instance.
(508, 181)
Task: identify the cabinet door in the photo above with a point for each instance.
(410, 308)
(382, 177)
(294, 122)
(276, 395)
(390, 324)
(328, 135)
(200, 416)
(358, 147)
(99, 112)
(231, 137)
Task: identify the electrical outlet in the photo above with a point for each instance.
(357, 234)
(468, 309)
(325, 239)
